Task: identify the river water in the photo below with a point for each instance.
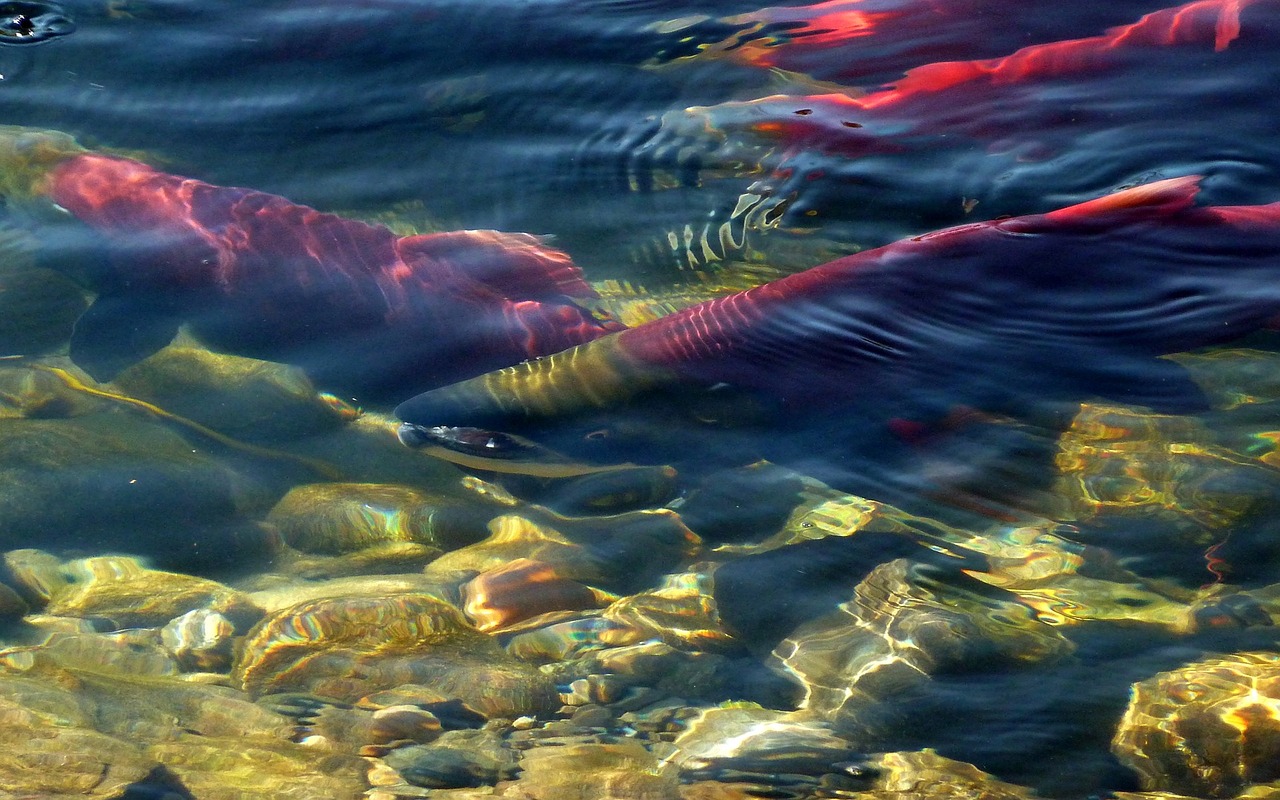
(678, 152)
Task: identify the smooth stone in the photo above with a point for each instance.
(124, 653)
(625, 770)
(248, 399)
(680, 610)
(1207, 729)
(113, 730)
(130, 595)
(35, 574)
(456, 760)
(920, 775)
(523, 589)
(905, 622)
(348, 647)
(744, 738)
(335, 518)
(27, 391)
(49, 749)
(367, 450)
(12, 606)
(274, 593)
(38, 307)
(124, 484)
(1156, 487)
(376, 561)
(200, 640)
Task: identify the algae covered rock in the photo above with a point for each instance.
(112, 481)
(624, 770)
(347, 647)
(906, 622)
(130, 595)
(49, 749)
(241, 397)
(749, 740)
(1120, 466)
(38, 308)
(1207, 729)
(335, 518)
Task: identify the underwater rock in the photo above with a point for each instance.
(562, 640)
(209, 739)
(200, 640)
(32, 390)
(333, 518)
(1206, 729)
(512, 537)
(456, 760)
(610, 490)
(129, 595)
(35, 574)
(613, 675)
(346, 647)
(624, 770)
(232, 769)
(122, 484)
(379, 559)
(245, 398)
(366, 450)
(364, 729)
(618, 552)
(38, 308)
(1120, 466)
(131, 653)
(274, 592)
(748, 742)
(49, 749)
(921, 775)
(906, 622)
(680, 610)
(12, 606)
(1232, 377)
(521, 589)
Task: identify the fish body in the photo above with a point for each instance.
(1178, 86)
(860, 40)
(967, 97)
(363, 310)
(1082, 300)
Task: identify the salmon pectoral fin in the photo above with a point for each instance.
(119, 331)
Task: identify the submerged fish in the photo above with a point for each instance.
(1170, 87)
(363, 310)
(996, 315)
(970, 98)
(853, 40)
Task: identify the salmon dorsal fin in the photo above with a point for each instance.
(518, 266)
(1161, 197)
(1150, 200)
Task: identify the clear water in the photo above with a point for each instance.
(572, 120)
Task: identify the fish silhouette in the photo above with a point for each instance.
(860, 40)
(978, 99)
(999, 316)
(363, 310)
(1180, 85)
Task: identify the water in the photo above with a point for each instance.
(632, 135)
